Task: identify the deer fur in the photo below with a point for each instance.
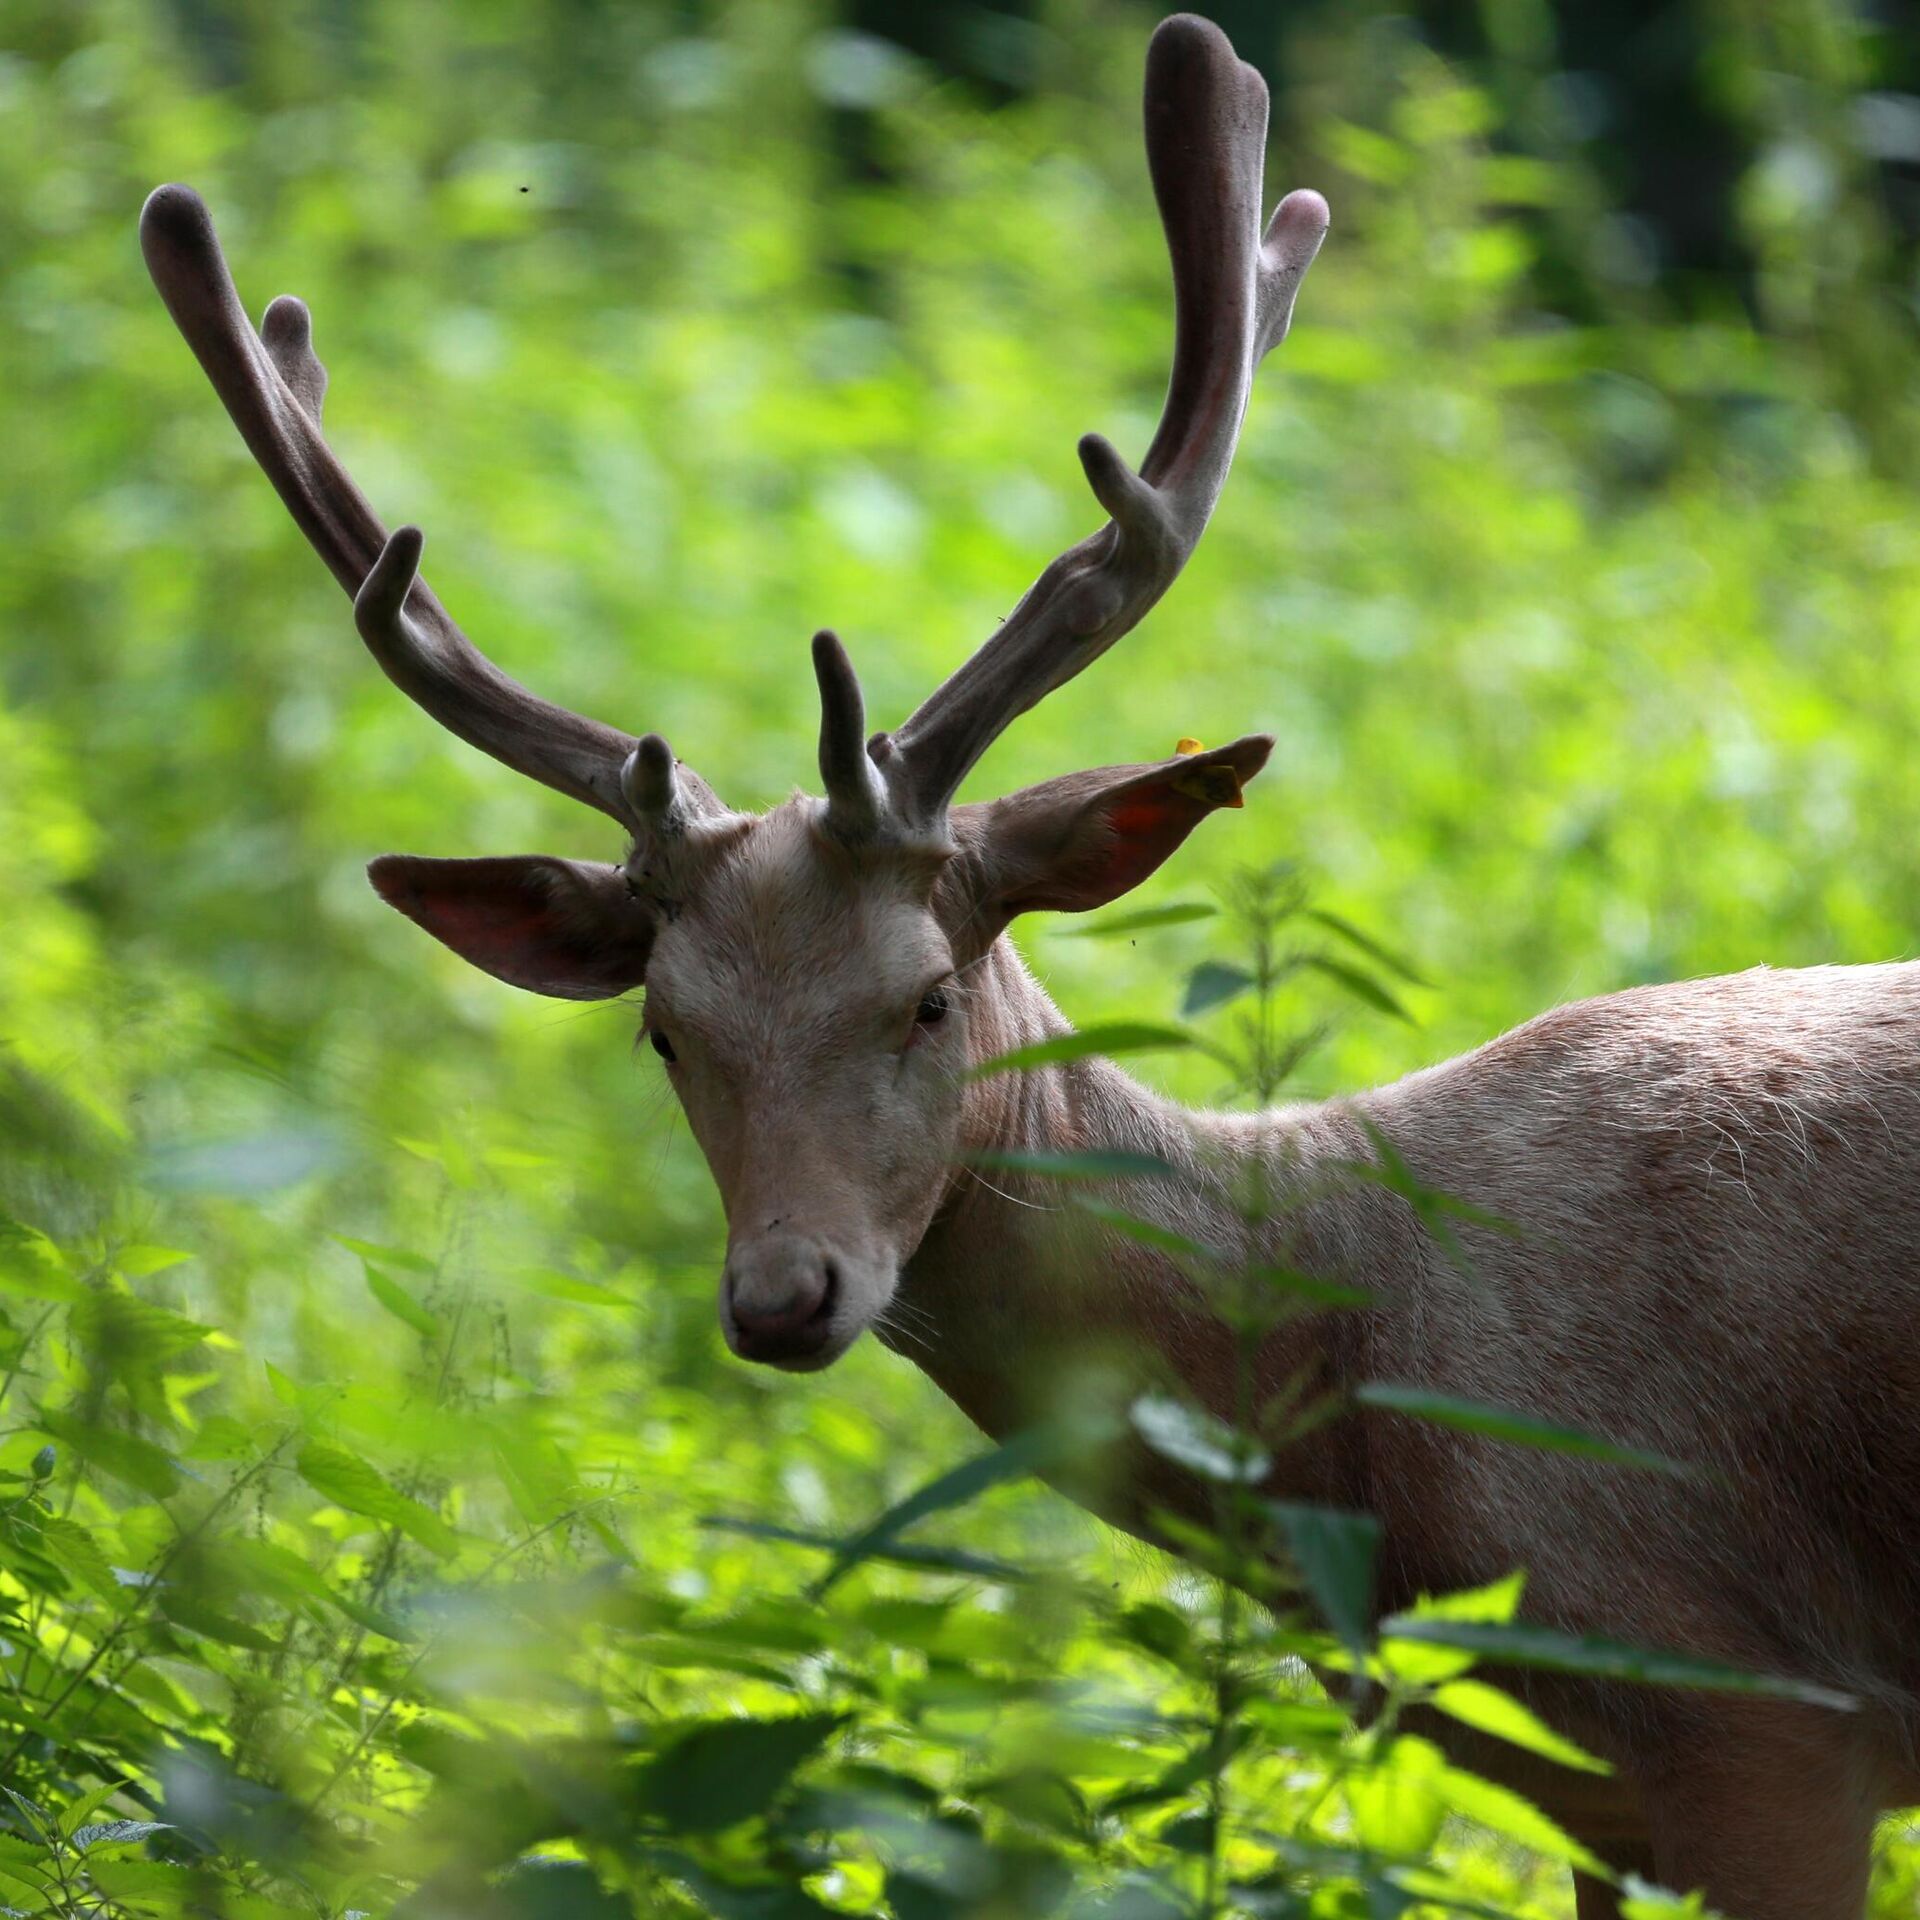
(1717, 1196)
(1709, 1193)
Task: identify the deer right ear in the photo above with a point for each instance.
(1081, 841)
(557, 927)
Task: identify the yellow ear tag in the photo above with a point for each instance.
(1215, 786)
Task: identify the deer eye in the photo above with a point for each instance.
(931, 1010)
(661, 1045)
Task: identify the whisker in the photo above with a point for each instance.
(1013, 1199)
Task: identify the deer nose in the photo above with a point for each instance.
(780, 1293)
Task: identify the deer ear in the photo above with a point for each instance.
(1072, 844)
(552, 926)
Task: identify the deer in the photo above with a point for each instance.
(1710, 1188)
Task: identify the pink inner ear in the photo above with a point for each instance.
(1115, 845)
(550, 926)
(1148, 824)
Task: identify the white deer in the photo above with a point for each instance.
(1716, 1184)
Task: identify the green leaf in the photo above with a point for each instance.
(1503, 1423)
(1212, 984)
(360, 1487)
(371, 1251)
(1365, 943)
(721, 1772)
(125, 1456)
(1496, 1601)
(729, 1898)
(221, 1437)
(551, 1284)
(1435, 1210)
(1111, 1037)
(1099, 1164)
(1311, 1287)
(1489, 1710)
(1397, 1805)
(137, 1262)
(543, 1889)
(1198, 1441)
(147, 1887)
(1516, 1644)
(1148, 1232)
(1363, 986)
(399, 1302)
(31, 1264)
(119, 1833)
(1335, 1552)
(76, 1813)
(1504, 1812)
(74, 1547)
(1019, 1458)
(1142, 920)
(189, 1610)
(899, 1553)
(122, 1332)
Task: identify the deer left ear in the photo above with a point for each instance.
(1076, 843)
(558, 927)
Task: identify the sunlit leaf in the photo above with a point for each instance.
(551, 1284)
(31, 1264)
(399, 1302)
(77, 1812)
(1488, 1710)
(136, 1262)
(1518, 1644)
(360, 1487)
(1507, 1813)
(1197, 1440)
(380, 1256)
(1398, 1801)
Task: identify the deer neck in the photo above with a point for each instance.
(1020, 1302)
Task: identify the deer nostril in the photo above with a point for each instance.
(829, 1293)
(782, 1302)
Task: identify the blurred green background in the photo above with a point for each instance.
(1572, 554)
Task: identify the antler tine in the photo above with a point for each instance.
(1206, 124)
(272, 385)
(856, 800)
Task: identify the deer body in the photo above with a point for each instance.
(1714, 1188)
(1716, 1191)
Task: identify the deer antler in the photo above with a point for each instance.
(1206, 126)
(272, 385)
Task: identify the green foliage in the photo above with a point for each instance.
(381, 1529)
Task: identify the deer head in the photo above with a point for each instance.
(806, 970)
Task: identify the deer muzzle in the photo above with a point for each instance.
(780, 1302)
